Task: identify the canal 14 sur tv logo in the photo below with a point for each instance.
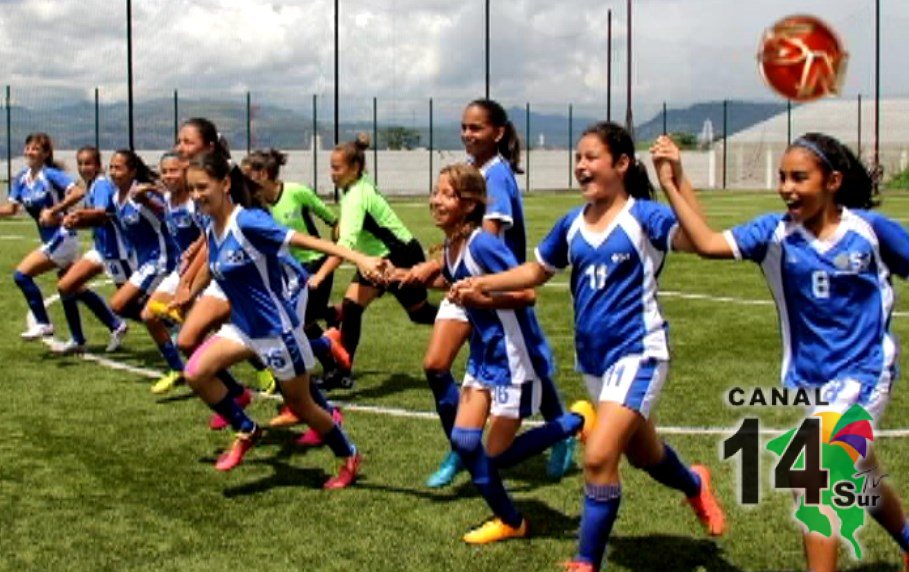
(821, 459)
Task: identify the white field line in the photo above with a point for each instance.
(429, 415)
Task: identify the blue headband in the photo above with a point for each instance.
(806, 144)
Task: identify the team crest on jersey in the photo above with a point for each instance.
(235, 256)
(852, 261)
(130, 217)
(619, 257)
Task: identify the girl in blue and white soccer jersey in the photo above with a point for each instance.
(244, 248)
(139, 208)
(616, 244)
(492, 145)
(509, 363)
(46, 192)
(828, 261)
(110, 252)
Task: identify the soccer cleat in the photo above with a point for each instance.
(285, 418)
(242, 444)
(337, 379)
(577, 566)
(451, 465)
(561, 458)
(905, 561)
(347, 474)
(338, 352)
(705, 505)
(170, 380)
(266, 380)
(217, 423)
(161, 310)
(311, 437)
(586, 410)
(37, 331)
(117, 336)
(494, 530)
(67, 348)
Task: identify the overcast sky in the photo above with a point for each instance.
(543, 51)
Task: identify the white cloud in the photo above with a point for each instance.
(410, 50)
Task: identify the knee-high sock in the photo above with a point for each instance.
(338, 442)
(171, 355)
(234, 414)
(73, 320)
(133, 311)
(99, 308)
(321, 348)
(601, 507)
(445, 394)
(351, 326)
(425, 314)
(33, 296)
(550, 402)
(234, 388)
(673, 473)
(538, 439)
(468, 444)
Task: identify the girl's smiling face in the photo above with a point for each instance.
(805, 187)
(600, 175)
(211, 195)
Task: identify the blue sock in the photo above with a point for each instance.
(468, 444)
(550, 403)
(32, 296)
(99, 308)
(900, 536)
(338, 442)
(171, 355)
(234, 414)
(234, 389)
(903, 540)
(73, 320)
(601, 507)
(538, 439)
(319, 397)
(675, 474)
(445, 393)
(321, 348)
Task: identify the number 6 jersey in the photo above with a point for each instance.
(834, 296)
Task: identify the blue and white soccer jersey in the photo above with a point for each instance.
(509, 356)
(47, 188)
(145, 230)
(504, 204)
(834, 299)
(110, 247)
(621, 338)
(184, 226)
(245, 262)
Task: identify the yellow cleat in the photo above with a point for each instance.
(494, 530)
(170, 380)
(266, 381)
(161, 310)
(586, 410)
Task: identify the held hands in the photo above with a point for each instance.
(72, 220)
(417, 275)
(468, 292)
(667, 160)
(376, 270)
(48, 218)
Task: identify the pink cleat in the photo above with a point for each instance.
(242, 444)
(311, 437)
(347, 474)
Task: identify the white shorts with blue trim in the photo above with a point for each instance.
(448, 310)
(147, 277)
(214, 291)
(62, 249)
(515, 401)
(287, 356)
(841, 394)
(634, 381)
(117, 269)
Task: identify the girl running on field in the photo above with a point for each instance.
(828, 261)
(368, 225)
(109, 253)
(45, 191)
(510, 360)
(244, 248)
(615, 243)
(492, 146)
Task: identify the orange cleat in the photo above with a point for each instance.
(347, 474)
(705, 505)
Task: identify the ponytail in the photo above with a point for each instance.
(857, 188)
(354, 152)
(509, 146)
